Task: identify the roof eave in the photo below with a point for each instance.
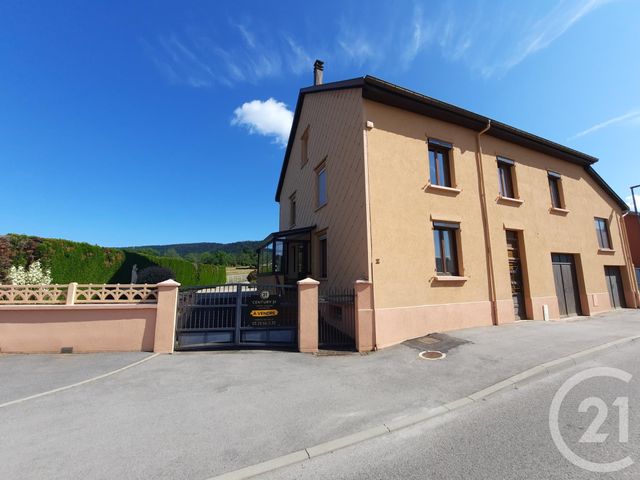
(605, 186)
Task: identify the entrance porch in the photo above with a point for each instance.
(285, 257)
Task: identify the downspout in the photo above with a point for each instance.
(365, 139)
(626, 249)
(485, 223)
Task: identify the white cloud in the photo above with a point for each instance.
(269, 118)
(629, 117)
(355, 44)
(299, 59)
(248, 36)
(420, 34)
(544, 32)
(489, 38)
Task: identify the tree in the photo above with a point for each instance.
(155, 274)
(172, 252)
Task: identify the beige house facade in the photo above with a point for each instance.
(454, 219)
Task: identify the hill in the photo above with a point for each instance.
(184, 249)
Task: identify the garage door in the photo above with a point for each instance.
(564, 275)
(614, 284)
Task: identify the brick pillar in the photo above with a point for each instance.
(365, 331)
(166, 316)
(308, 315)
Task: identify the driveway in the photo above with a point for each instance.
(196, 415)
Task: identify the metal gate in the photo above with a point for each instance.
(237, 315)
(336, 320)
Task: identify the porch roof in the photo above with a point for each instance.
(284, 234)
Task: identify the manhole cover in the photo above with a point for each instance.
(428, 340)
(432, 355)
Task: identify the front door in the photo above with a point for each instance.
(614, 285)
(564, 275)
(515, 272)
(297, 261)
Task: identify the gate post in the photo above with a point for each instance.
(365, 331)
(166, 316)
(308, 315)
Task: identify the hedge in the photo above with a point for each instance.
(83, 263)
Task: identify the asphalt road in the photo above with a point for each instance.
(505, 437)
(198, 415)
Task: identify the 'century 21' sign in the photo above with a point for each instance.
(264, 305)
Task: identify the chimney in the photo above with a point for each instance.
(318, 68)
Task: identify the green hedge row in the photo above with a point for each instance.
(187, 273)
(83, 263)
(80, 262)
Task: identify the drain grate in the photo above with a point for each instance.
(432, 355)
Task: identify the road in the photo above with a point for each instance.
(505, 437)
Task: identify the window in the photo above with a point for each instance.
(292, 210)
(444, 240)
(439, 163)
(602, 231)
(323, 256)
(265, 265)
(554, 189)
(321, 184)
(304, 148)
(505, 177)
(271, 257)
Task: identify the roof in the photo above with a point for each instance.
(381, 91)
(284, 234)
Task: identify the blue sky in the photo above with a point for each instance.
(129, 123)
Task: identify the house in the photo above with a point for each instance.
(455, 219)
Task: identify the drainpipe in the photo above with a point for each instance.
(626, 249)
(485, 224)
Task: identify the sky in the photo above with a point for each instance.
(154, 122)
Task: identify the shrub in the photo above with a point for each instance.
(253, 276)
(155, 274)
(34, 275)
(79, 262)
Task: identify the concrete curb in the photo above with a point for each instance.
(515, 381)
(77, 384)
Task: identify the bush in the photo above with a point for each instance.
(34, 275)
(79, 262)
(253, 276)
(155, 274)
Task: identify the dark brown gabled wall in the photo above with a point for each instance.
(632, 224)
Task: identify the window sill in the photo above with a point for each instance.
(321, 206)
(509, 201)
(442, 189)
(606, 251)
(559, 211)
(449, 279)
